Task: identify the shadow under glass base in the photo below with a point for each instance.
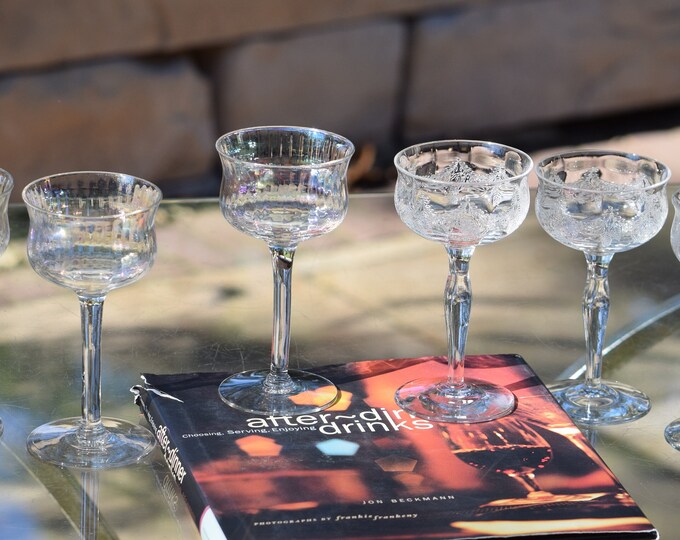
(436, 400)
(61, 443)
(1, 427)
(672, 434)
(608, 404)
(306, 393)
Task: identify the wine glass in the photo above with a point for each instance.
(507, 447)
(672, 431)
(601, 203)
(6, 184)
(91, 232)
(514, 449)
(461, 194)
(283, 185)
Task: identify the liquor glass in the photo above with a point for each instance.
(601, 203)
(91, 232)
(513, 448)
(6, 185)
(672, 431)
(461, 194)
(508, 447)
(283, 185)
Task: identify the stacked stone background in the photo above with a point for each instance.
(146, 86)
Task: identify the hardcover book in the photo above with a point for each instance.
(365, 469)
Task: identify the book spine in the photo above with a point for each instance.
(182, 475)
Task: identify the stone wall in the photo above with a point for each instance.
(145, 87)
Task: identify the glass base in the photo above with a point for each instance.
(672, 434)
(61, 443)
(610, 403)
(303, 393)
(436, 400)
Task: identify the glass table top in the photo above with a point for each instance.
(370, 289)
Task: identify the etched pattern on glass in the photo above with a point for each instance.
(89, 241)
(6, 185)
(599, 216)
(286, 206)
(675, 230)
(461, 206)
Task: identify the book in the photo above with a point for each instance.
(365, 469)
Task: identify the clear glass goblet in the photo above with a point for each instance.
(672, 431)
(91, 232)
(283, 185)
(6, 185)
(601, 203)
(461, 194)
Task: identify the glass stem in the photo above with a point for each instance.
(527, 482)
(278, 380)
(91, 323)
(595, 315)
(457, 303)
(89, 505)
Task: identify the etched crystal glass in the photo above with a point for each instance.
(601, 203)
(6, 185)
(91, 232)
(672, 431)
(461, 194)
(283, 185)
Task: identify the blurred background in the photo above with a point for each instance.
(146, 87)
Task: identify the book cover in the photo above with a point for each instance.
(365, 469)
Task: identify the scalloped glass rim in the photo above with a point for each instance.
(661, 167)
(498, 148)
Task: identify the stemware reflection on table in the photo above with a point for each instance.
(461, 194)
(283, 185)
(6, 184)
(91, 232)
(600, 203)
(672, 431)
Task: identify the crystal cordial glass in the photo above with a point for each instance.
(672, 431)
(601, 203)
(461, 194)
(91, 232)
(283, 185)
(6, 185)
